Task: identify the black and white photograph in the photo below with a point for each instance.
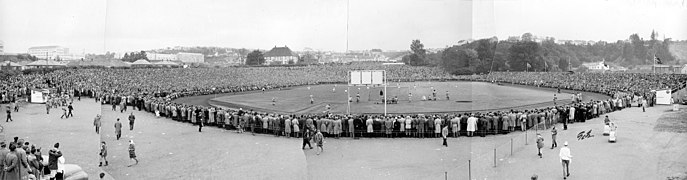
(343, 89)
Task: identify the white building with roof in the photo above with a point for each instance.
(190, 57)
(598, 66)
(280, 55)
(161, 57)
(49, 52)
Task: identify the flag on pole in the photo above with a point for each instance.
(528, 65)
(657, 60)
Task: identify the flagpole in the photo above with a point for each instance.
(654, 66)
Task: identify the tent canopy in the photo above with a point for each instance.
(166, 63)
(141, 62)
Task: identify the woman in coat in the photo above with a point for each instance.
(296, 126)
(132, 151)
(34, 164)
(12, 167)
(540, 144)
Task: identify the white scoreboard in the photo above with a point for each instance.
(367, 77)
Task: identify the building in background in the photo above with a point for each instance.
(597, 66)
(2, 47)
(48, 52)
(280, 55)
(161, 57)
(667, 69)
(190, 57)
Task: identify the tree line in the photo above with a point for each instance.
(485, 55)
(133, 56)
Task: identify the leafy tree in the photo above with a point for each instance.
(548, 55)
(126, 57)
(527, 37)
(654, 35)
(563, 64)
(417, 58)
(413, 60)
(523, 53)
(255, 58)
(640, 53)
(458, 60)
(418, 48)
(307, 59)
(142, 55)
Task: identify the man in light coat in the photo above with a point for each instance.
(566, 157)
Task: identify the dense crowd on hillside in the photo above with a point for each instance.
(605, 83)
(153, 90)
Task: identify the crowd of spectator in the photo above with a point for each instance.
(154, 90)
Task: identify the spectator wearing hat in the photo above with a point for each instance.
(540, 144)
(3, 155)
(554, 133)
(53, 155)
(9, 115)
(471, 125)
(103, 153)
(444, 134)
(11, 164)
(351, 126)
(23, 160)
(132, 118)
(34, 164)
(132, 151)
(97, 123)
(70, 108)
(566, 157)
(437, 126)
(306, 139)
(319, 140)
(118, 129)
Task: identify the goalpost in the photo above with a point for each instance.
(367, 78)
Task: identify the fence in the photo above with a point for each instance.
(482, 165)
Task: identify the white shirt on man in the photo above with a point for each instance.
(565, 153)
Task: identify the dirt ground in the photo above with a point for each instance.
(76, 135)
(640, 153)
(167, 149)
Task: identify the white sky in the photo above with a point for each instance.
(96, 26)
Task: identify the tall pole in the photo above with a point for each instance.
(348, 93)
(347, 15)
(385, 83)
(493, 56)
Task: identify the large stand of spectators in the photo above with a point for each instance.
(153, 90)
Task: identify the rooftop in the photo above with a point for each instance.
(279, 51)
(44, 47)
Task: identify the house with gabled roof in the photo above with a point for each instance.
(280, 55)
